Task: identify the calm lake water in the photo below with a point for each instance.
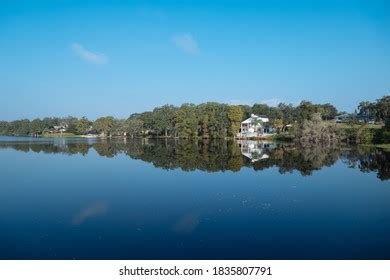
(157, 199)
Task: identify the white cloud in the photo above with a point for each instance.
(274, 102)
(271, 102)
(240, 102)
(89, 56)
(186, 43)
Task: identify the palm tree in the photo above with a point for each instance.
(256, 122)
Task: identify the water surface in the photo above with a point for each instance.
(170, 199)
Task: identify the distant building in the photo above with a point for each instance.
(58, 128)
(255, 126)
(360, 117)
(344, 118)
(364, 118)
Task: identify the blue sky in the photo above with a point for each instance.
(95, 58)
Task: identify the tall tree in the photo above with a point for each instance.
(79, 126)
(329, 112)
(164, 120)
(204, 126)
(104, 125)
(382, 109)
(235, 117)
(186, 121)
(306, 110)
(134, 127)
(278, 124)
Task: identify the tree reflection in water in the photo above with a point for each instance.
(219, 155)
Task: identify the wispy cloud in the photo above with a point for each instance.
(271, 102)
(89, 56)
(275, 102)
(186, 43)
(239, 102)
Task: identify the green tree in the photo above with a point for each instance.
(204, 123)
(118, 128)
(256, 122)
(164, 120)
(37, 126)
(186, 121)
(235, 117)
(134, 127)
(382, 109)
(4, 128)
(329, 112)
(148, 121)
(306, 110)
(104, 125)
(79, 126)
(367, 109)
(278, 124)
(83, 126)
(217, 119)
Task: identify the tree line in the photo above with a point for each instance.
(208, 120)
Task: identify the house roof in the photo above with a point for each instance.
(255, 117)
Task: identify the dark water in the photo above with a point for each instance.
(149, 199)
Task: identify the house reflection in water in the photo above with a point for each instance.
(255, 150)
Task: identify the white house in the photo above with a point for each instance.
(255, 126)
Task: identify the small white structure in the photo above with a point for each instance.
(58, 128)
(255, 126)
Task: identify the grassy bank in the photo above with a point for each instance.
(59, 135)
(368, 126)
(385, 147)
(282, 137)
